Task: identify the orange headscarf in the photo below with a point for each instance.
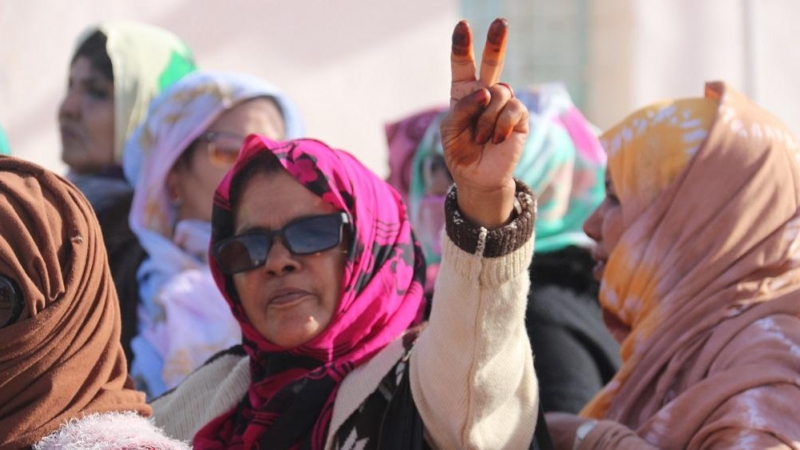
(62, 358)
(709, 191)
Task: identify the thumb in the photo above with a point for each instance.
(466, 111)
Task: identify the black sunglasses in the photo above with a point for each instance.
(303, 236)
(11, 303)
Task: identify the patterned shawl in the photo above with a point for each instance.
(145, 59)
(183, 318)
(63, 358)
(710, 205)
(382, 297)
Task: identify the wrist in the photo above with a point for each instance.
(490, 209)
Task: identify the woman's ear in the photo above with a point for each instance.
(174, 191)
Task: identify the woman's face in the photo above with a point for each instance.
(605, 227)
(86, 119)
(290, 299)
(193, 183)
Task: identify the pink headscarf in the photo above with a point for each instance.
(290, 399)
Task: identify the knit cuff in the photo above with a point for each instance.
(491, 243)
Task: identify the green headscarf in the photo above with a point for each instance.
(145, 60)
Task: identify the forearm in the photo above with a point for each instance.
(471, 370)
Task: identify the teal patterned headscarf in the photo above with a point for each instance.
(5, 148)
(564, 163)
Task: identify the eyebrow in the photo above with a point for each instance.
(94, 79)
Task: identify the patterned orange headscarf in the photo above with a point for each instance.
(709, 191)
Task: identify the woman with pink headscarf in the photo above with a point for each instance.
(317, 261)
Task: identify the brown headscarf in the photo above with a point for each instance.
(707, 275)
(62, 359)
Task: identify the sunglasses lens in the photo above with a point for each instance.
(10, 303)
(242, 253)
(223, 151)
(314, 235)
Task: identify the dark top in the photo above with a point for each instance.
(125, 254)
(574, 354)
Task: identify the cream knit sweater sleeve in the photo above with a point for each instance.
(472, 374)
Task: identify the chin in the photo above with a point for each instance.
(295, 338)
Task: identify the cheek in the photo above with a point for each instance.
(612, 229)
(334, 267)
(99, 120)
(240, 283)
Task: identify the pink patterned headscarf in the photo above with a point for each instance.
(290, 399)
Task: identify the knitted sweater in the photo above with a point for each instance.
(471, 369)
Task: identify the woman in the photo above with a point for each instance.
(175, 160)
(697, 251)
(563, 163)
(117, 68)
(63, 376)
(316, 258)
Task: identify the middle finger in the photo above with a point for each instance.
(499, 97)
(494, 53)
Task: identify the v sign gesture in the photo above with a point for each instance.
(484, 133)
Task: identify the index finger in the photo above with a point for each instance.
(462, 60)
(494, 53)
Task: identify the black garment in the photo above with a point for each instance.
(574, 354)
(111, 197)
(125, 254)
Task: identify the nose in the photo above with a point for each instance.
(280, 260)
(594, 224)
(70, 104)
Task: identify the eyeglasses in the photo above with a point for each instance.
(303, 236)
(223, 147)
(11, 303)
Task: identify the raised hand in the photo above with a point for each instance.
(484, 133)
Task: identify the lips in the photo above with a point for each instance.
(286, 297)
(599, 266)
(69, 133)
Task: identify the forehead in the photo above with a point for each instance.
(271, 200)
(83, 69)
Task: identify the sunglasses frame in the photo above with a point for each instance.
(17, 302)
(345, 223)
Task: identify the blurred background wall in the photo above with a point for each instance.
(618, 55)
(353, 65)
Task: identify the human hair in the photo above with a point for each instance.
(94, 49)
(265, 163)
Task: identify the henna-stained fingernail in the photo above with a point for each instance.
(498, 138)
(497, 31)
(461, 39)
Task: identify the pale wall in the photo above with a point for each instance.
(350, 65)
(353, 65)
(641, 51)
